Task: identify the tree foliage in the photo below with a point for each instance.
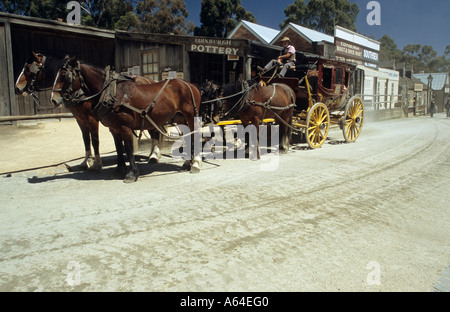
(219, 17)
(423, 58)
(322, 15)
(156, 16)
(164, 16)
(47, 9)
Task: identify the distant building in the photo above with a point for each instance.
(440, 87)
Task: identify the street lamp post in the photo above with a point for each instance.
(430, 80)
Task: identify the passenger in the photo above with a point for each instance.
(286, 58)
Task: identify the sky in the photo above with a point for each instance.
(424, 22)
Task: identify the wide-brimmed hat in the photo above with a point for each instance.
(286, 39)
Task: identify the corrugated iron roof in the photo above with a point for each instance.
(313, 35)
(439, 80)
(265, 34)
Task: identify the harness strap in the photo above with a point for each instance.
(146, 116)
(145, 112)
(240, 101)
(267, 106)
(192, 96)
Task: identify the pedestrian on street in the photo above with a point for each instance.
(447, 107)
(432, 107)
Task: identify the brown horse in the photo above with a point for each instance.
(131, 106)
(253, 103)
(39, 72)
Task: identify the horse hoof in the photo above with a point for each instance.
(186, 166)
(195, 168)
(89, 163)
(153, 160)
(96, 168)
(130, 178)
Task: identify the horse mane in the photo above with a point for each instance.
(232, 88)
(237, 87)
(52, 66)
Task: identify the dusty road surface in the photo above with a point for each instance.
(368, 216)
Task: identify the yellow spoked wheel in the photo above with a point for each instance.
(317, 125)
(353, 119)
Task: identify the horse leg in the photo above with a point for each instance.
(255, 122)
(133, 174)
(121, 168)
(258, 151)
(97, 165)
(155, 154)
(196, 153)
(285, 135)
(87, 162)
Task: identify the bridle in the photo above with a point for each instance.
(68, 94)
(33, 69)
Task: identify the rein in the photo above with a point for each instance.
(240, 101)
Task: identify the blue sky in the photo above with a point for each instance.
(425, 22)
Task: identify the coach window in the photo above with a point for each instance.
(338, 76)
(327, 75)
(150, 65)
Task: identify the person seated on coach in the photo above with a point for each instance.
(286, 58)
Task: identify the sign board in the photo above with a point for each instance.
(354, 53)
(134, 71)
(418, 87)
(172, 75)
(215, 46)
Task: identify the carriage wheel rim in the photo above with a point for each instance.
(318, 123)
(354, 119)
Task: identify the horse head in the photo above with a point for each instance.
(67, 85)
(211, 105)
(32, 74)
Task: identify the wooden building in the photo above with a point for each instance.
(157, 56)
(20, 35)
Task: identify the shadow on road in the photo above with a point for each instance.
(110, 172)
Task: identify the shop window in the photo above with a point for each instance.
(150, 65)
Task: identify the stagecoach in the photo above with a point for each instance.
(323, 90)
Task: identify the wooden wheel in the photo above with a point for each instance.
(353, 119)
(317, 125)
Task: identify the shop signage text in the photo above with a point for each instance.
(214, 46)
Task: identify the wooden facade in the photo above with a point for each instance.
(157, 56)
(19, 36)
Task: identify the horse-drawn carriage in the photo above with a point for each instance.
(323, 96)
(315, 94)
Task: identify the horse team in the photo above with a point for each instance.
(127, 104)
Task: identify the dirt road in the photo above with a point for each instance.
(368, 216)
